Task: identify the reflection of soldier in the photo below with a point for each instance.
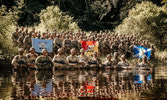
(31, 57)
(43, 61)
(20, 60)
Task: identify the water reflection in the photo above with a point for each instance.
(79, 84)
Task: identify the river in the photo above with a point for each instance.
(83, 84)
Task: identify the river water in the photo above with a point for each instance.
(83, 84)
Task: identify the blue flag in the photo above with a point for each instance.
(40, 44)
(139, 52)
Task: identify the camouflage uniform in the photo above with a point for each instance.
(43, 62)
(59, 60)
(20, 61)
(31, 59)
(15, 37)
(27, 42)
(67, 44)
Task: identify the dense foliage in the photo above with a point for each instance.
(89, 14)
(52, 18)
(8, 22)
(146, 20)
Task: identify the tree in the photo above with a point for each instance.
(146, 20)
(52, 18)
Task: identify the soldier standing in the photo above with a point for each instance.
(20, 61)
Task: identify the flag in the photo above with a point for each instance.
(40, 44)
(139, 52)
(90, 47)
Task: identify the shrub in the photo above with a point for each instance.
(147, 21)
(52, 18)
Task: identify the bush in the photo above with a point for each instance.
(52, 18)
(147, 21)
(8, 23)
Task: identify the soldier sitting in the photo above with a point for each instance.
(20, 61)
(43, 61)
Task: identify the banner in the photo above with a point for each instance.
(139, 52)
(40, 44)
(90, 47)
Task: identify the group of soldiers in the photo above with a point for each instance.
(68, 49)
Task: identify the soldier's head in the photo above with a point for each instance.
(17, 29)
(82, 51)
(95, 54)
(44, 52)
(123, 57)
(60, 51)
(109, 56)
(73, 51)
(22, 29)
(32, 50)
(21, 51)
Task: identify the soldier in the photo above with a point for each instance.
(57, 43)
(83, 58)
(106, 47)
(108, 63)
(75, 44)
(73, 59)
(15, 37)
(144, 64)
(20, 41)
(123, 63)
(20, 61)
(32, 57)
(27, 42)
(95, 62)
(59, 60)
(43, 61)
(67, 44)
(115, 60)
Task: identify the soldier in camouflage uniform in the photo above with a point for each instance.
(20, 61)
(43, 61)
(32, 57)
(15, 37)
(59, 60)
(73, 59)
(27, 42)
(67, 44)
(57, 43)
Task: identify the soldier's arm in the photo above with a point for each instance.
(14, 62)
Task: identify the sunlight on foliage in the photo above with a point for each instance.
(147, 21)
(8, 22)
(52, 18)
